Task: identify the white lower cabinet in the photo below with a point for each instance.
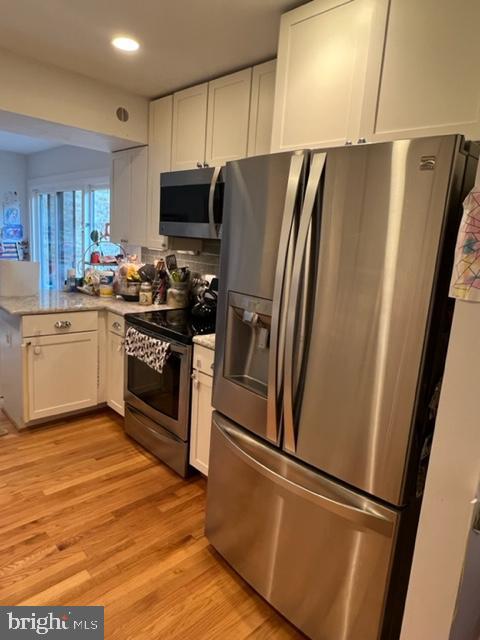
(60, 374)
(60, 363)
(115, 372)
(201, 418)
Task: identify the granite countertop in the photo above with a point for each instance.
(58, 301)
(207, 340)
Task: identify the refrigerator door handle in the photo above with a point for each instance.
(280, 293)
(364, 517)
(211, 197)
(316, 171)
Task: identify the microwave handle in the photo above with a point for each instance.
(211, 196)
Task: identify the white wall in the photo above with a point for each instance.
(452, 481)
(51, 94)
(66, 159)
(13, 177)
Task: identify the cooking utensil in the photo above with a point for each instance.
(147, 273)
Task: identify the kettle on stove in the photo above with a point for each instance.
(204, 313)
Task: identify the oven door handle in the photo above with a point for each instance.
(211, 200)
(175, 347)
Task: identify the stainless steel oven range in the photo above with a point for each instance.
(157, 413)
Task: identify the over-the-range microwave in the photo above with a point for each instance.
(191, 203)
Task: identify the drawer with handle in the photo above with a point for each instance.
(50, 324)
(203, 359)
(116, 324)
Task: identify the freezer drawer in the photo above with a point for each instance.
(316, 551)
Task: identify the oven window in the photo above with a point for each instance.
(159, 391)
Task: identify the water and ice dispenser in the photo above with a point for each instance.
(247, 342)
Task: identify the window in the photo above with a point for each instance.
(62, 221)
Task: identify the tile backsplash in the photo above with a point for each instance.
(205, 262)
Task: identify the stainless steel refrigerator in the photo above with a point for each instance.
(332, 327)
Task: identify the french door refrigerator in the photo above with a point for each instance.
(332, 327)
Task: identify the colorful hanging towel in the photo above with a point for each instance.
(150, 350)
(465, 282)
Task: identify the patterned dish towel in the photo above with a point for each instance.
(152, 351)
(465, 282)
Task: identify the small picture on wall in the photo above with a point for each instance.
(11, 214)
(12, 233)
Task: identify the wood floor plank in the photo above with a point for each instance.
(88, 517)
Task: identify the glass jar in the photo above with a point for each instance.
(145, 295)
(178, 295)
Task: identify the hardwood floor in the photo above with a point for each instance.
(88, 517)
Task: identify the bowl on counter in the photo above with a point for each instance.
(130, 291)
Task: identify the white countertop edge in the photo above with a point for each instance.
(62, 302)
(207, 340)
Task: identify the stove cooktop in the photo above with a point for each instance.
(176, 324)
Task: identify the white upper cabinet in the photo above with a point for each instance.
(329, 54)
(430, 80)
(228, 117)
(261, 108)
(138, 195)
(120, 196)
(128, 217)
(189, 127)
(159, 160)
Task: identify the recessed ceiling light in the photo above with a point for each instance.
(125, 44)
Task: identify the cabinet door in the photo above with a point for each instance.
(429, 82)
(227, 117)
(137, 218)
(115, 372)
(189, 127)
(159, 160)
(261, 108)
(120, 197)
(61, 373)
(328, 52)
(201, 421)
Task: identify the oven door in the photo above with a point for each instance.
(191, 203)
(164, 397)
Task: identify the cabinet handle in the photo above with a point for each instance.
(212, 366)
(194, 380)
(121, 346)
(199, 165)
(62, 324)
(116, 325)
(361, 141)
(199, 363)
(206, 165)
(348, 143)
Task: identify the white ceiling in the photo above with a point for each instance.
(182, 41)
(24, 144)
